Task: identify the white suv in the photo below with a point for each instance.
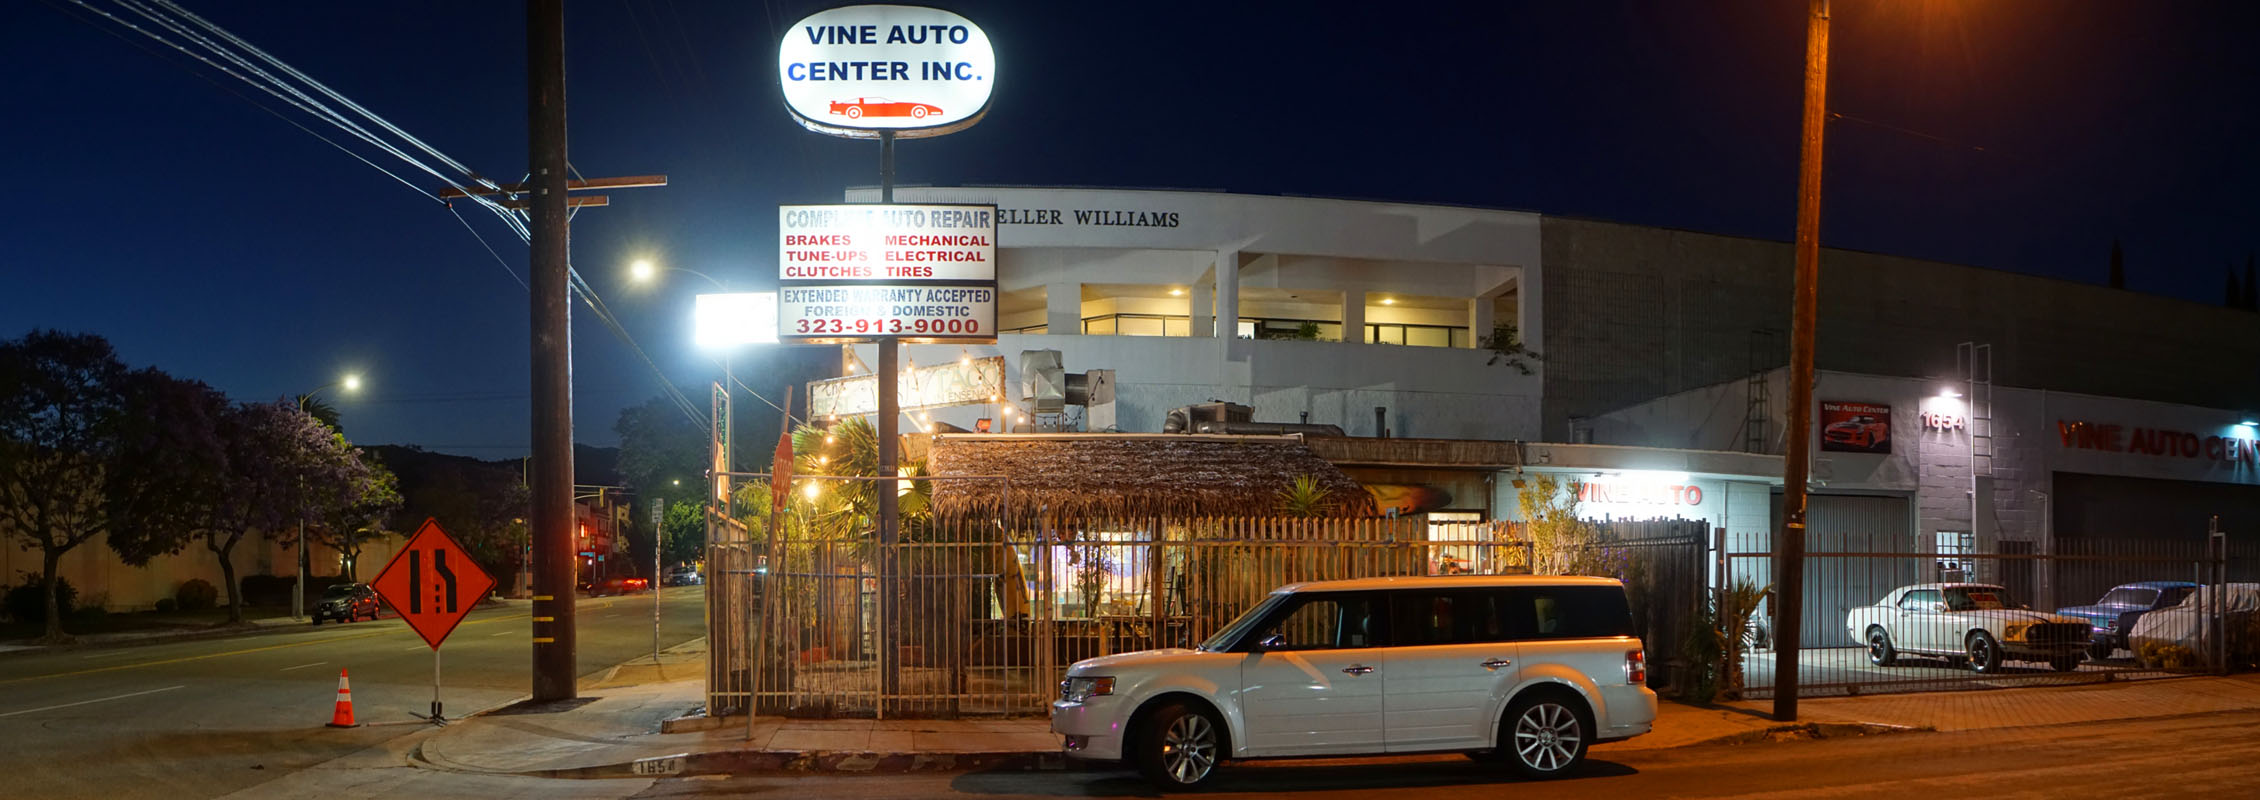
(1528, 670)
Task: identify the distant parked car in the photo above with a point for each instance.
(1860, 431)
(882, 107)
(684, 575)
(2115, 614)
(615, 585)
(2192, 625)
(1965, 622)
(346, 602)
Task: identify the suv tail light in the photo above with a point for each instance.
(1635, 667)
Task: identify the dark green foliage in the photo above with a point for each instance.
(194, 594)
(166, 605)
(27, 601)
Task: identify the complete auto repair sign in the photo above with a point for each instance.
(859, 70)
(867, 271)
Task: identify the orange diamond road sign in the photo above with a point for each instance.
(432, 583)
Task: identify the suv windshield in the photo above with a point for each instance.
(1240, 625)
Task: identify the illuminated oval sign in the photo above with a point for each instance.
(860, 70)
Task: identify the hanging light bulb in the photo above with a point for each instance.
(811, 490)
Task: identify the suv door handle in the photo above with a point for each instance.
(1357, 669)
(1496, 663)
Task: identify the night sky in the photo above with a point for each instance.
(209, 238)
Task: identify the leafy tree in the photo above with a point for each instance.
(60, 403)
(322, 410)
(356, 510)
(275, 453)
(483, 505)
(1562, 543)
(662, 453)
(172, 450)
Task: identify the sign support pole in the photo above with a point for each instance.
(889, 429)
(437, 717)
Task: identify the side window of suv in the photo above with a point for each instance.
(1566, 612)
(1325, 622)
(1446, 617)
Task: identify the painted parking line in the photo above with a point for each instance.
(88, 702)
(302, 666)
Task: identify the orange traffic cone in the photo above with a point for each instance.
(343, 717)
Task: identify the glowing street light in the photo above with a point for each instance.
(642, 271)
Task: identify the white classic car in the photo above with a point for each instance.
(1965, 622)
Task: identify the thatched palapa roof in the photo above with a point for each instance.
(1126, 475)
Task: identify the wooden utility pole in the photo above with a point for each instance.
(1789, 548)
(551, 518)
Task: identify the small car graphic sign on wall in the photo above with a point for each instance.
(1855, 427)
(882, 107)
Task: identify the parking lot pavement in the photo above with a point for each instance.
(2044, 705)
(1846, 670)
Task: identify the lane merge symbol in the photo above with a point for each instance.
(432, 583)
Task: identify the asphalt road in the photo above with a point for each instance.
(203, 718)
(2200, 756)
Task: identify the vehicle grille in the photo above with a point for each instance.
(2057, 633)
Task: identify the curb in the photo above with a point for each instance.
(776, 762)
(1808, 731)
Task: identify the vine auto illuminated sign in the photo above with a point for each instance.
(860, 70)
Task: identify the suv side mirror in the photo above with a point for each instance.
(1272, 642)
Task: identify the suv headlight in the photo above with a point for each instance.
(1079, 689)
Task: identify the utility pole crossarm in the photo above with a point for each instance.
(622, 182)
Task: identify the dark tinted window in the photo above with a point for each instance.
(2173, 596)
(1565, 612)
(1447, 617)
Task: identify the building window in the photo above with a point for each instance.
(1304, 329)
(1137, 325)
(1418, 335)
(1954, 548)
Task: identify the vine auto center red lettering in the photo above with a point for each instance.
(1651, 494)
(2084, 435)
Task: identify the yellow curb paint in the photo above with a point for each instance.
(543, 640)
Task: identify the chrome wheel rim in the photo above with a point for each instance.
(1876, 643)
(1980, 654)
(1188, 748)
(1547, 737)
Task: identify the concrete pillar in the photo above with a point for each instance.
(1480, 316)
(1353, 316)
(1203, 305)
(1063, 308)
(1227, 295)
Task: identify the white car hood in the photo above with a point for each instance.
(1133, 659)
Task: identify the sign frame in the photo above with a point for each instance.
(820, 35)
(434, 627)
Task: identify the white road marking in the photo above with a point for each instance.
(502, 633)
(86, 702)
(420, 647)
(302, 666)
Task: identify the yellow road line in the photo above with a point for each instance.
(161, 662)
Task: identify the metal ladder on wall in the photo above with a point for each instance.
(1975, 361)
(1756, 409)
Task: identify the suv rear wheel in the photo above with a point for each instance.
(1178, 747)
(1545, 734)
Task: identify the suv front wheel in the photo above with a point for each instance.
(1178, 747)
(1545, 734)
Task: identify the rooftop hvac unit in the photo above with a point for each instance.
(1043, 381)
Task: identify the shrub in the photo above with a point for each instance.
(89, 613)
(166, 605)
(194, 594)
(27, 601)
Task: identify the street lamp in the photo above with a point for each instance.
(350, 383)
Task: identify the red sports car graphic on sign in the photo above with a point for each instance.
(1859, 431)
(882, 107)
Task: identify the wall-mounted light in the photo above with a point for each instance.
(1388, 301)
(1176, 293)
(1949, 393)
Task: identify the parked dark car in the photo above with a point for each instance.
(347, 602)
(2114, 615)
(615, 585)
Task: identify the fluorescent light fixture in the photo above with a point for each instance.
(1949, 393)
(729, 320)
(2250, 423)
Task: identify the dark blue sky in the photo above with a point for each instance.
(209, 238)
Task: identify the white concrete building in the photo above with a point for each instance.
(1305, 309)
